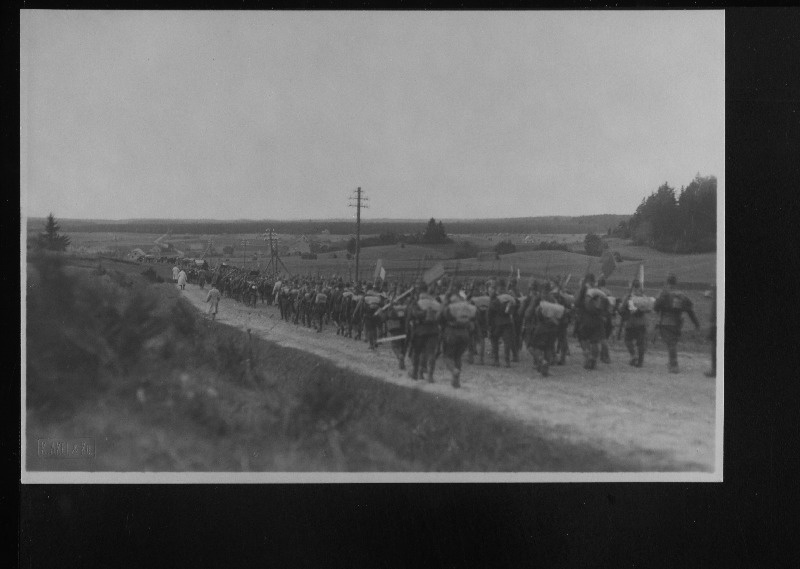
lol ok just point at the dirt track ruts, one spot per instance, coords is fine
(665, 421)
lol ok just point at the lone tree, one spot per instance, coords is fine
(505, 247)
(51, 239)
(593, 244)
(435, 233)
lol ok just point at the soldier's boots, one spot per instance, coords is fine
(402, 363)
(456, 383)
(544, 368)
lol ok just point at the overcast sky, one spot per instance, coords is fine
(283, 114)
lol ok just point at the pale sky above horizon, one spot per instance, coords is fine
(281, 115)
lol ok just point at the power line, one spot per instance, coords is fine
(361, 202)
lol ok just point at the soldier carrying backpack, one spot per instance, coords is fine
(592, 306)
(423, 320)
(671, 304)
(458, 318)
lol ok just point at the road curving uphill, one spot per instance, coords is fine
(636, 416)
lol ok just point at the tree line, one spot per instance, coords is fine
(550, 224)
(685, 222)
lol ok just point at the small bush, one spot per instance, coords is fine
(151, 275)
(465, 250)
(505, 247)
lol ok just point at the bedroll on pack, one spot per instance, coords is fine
(321, 298)
(596, 301)
(641, 303)
(482, 302)
(508, 301)
(594, 292)
(431, 308)
(568, 299)
(551, 310)
(462, 312)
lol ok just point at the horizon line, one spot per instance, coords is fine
(329, 219)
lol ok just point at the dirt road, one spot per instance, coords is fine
(665, 421)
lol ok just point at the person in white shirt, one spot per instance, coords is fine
(213, 298)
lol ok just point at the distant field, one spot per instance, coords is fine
(694, 271)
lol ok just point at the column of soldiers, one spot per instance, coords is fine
(449, 319)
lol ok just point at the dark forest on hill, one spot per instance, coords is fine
(685, 222)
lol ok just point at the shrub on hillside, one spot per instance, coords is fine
(551, 246)
(593, 245)
(505, 247)
(465, 250)
(151, 275)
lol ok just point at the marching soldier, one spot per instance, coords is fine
(633, 310)
(671, 304)
(608, 320)
(320, 306)
(525, 325)
(458, 319)
(592, 306)
(423, 316)
(712, 333)
(516, 316)
(566, 300)
(501, 324)
(542, 320)
(395, 317)
(371, 303)
(481, 330)
(253, 294)
(213, 299)
(354, 317)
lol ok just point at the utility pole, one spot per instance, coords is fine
(274, 256)
(244, 251)
(361, 202)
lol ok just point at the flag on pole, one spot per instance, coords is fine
(383, 274)
(641, 275)
(518, 275)
(378, 269)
